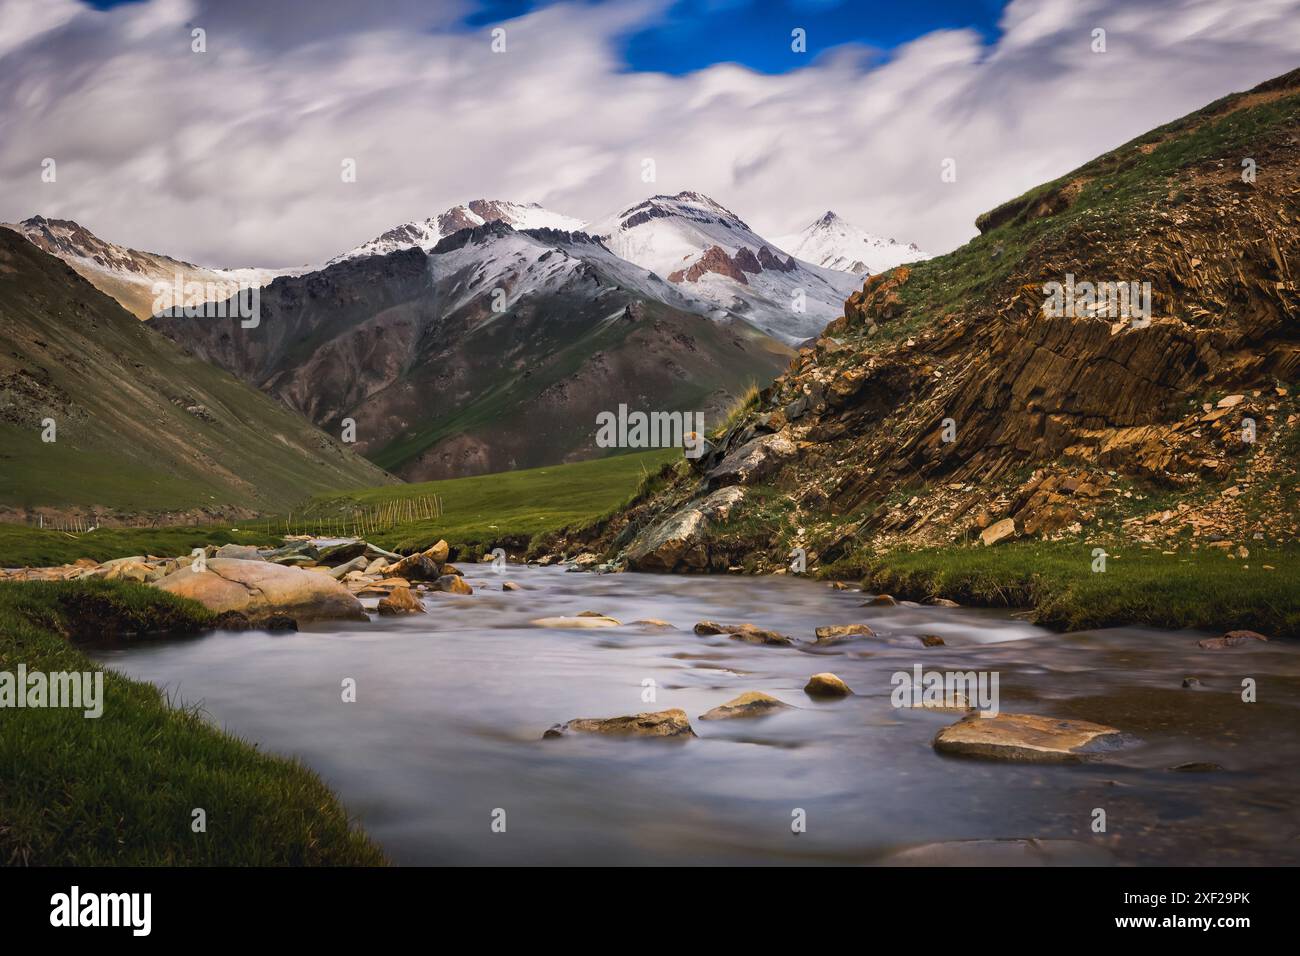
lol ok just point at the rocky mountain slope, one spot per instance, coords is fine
(956, 400)
(495, 350)
(129, 275)
(709, 253)
(832, 243)
(426, 233)
(139, 427)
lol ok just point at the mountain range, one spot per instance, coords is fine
(100, 413)
(494, 350)
(490, 336)
(129, 275)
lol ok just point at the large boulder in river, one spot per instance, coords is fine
(261, 589)
(679, 539)
(663, 723)
(424, 566)
(1025, 737)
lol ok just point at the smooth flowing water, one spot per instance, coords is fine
(446, 730)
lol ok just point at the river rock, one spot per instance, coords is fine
(341, 553)
(880, 600)
(943, 602)
(678, 540)
(1231, 639)
(400, 601)
(574, 622)
(261, 589)
(357, 564)
(931, 640)
(509, 586)
(748, 633)
(424, 566)
(244, 552)
(1024, 737)
(749, 704)
(452, 584)
(826, 685)
(839, 633)
(663, 723)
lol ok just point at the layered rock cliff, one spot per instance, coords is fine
(965, 398)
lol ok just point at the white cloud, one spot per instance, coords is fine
(232, 157)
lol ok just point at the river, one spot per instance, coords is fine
(444, 738)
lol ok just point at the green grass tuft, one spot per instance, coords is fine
(120, 789)
(1189, 589)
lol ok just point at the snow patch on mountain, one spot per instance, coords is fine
(709, 252)
(427, 233)
(833, 243)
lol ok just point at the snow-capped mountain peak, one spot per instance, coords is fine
(426, 233)
(709, 252)
(833, 243)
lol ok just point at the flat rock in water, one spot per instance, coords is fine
(880, 600)
(1024, 737)
(578, 622)
(749, 704)
(1231, 639)
(261, 589)
(663, 723)
(748, 633)
(839, 633)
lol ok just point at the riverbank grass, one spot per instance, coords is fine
(1202, 589)
(123, 788)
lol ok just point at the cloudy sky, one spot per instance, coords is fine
(233, 156)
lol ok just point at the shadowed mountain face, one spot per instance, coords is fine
(496, 350)
(138, 426)
(969, 396)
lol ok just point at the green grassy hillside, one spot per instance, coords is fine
(141, 426)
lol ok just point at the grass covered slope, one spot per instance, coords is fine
(121, 789)
(24, 546)
(508, 507)
(1138, 587)
(141, 426)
